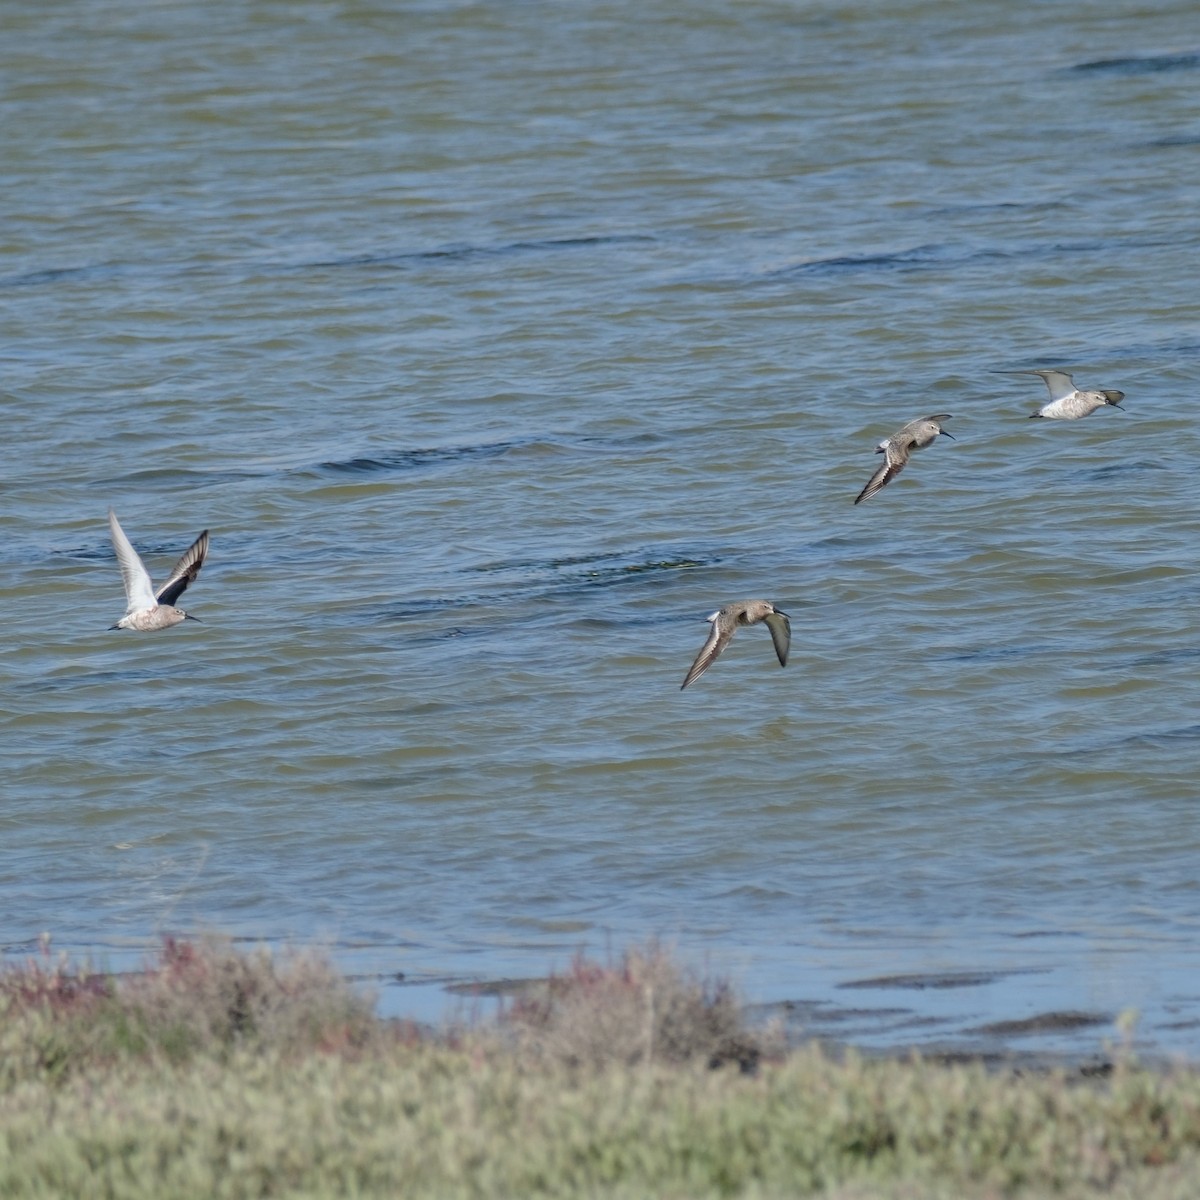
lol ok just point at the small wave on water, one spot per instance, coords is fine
(939, 256)
(412, 460)
(430, 457)
(1177, 140)
(1163, 738)
(1140, 64)
(1161, 658)
(1127, 466)
(588, 567)
(526, 582)
(994, 654)
(107, 271)
(916, 257)
(179, 478)
(65, 275)
(472, 251)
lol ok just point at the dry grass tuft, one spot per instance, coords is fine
(55, 989)
(645, 1008)
(219, 997)
(193, 999)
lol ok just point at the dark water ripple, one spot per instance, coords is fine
(64, 275)
(411, 460)
(1149, 64)
(943, 256)
(468, 252)
(533, 584)
(110, 271)
(421, 458)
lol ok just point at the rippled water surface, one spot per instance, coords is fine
(497, 345)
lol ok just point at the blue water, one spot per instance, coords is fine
(497, 345)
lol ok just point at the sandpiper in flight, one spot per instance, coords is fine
(896, 450)
(726, 619)
(1067, 402)
(146, 608)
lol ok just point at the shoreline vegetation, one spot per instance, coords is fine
(219, 1073)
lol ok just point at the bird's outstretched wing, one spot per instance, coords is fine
(1058, 383)
(718, 639)
(139, 592)
(781, 634)
(184, 572)
(894, 458)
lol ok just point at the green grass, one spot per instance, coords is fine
(216, 1074)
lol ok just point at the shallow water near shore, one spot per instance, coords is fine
(496, 346)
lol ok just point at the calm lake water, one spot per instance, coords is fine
(497, 344)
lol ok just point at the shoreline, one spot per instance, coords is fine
(215, 1071)
(937, 1014)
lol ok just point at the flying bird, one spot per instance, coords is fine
(726, 619)
(916, 435)
(147, 609)
(1067, 402)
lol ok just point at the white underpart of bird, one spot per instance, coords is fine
(1067, 402)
